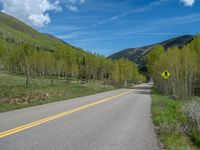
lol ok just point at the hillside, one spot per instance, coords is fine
(138, 54)
(15, 31)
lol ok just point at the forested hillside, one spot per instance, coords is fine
(66, 63)
(138, 55)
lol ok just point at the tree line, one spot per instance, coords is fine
(183, 65)
(66, 63)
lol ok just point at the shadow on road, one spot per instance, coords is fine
(142, 92)
(143, 89)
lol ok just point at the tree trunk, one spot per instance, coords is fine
(27, 79)
(51, 81)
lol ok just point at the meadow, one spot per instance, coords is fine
(14, 93)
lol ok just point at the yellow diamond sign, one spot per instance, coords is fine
(165, 74)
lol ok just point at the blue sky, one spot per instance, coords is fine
(107, 26)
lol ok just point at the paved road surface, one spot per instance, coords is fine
(114, 120)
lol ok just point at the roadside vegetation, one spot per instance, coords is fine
(176, 122)
(31, 76)
(14, 94)
(176, 112)
(183, 65)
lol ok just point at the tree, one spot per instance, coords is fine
(153, 56)
(183, 65)
(66, 62)
(27, 52)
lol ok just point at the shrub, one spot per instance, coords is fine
(192, 110)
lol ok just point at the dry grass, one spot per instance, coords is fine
(14, 94)
(192, 111)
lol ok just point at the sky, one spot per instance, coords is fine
(108, 26)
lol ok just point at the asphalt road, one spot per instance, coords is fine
(114, 120)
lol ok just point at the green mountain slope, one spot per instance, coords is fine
(15, 31)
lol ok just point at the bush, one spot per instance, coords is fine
(192, 111)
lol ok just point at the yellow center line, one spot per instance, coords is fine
(59, 115)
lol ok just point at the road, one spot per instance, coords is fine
(114, 120)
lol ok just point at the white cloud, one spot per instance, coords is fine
(188, 2)
(141, 9)
(73, 4)
(33, 12)
(75, 1)
(72, 1)
(72, 8)
(82, 1)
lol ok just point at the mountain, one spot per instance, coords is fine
(138, 54)
(15, 31)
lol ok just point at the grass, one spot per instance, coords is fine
(172, 124)
(14, 94)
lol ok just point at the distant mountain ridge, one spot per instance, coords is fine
(138, 54)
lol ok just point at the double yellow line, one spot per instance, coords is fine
(41, 121)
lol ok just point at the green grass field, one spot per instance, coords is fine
(14, 94)
(173, 126)
(12, 28)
